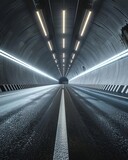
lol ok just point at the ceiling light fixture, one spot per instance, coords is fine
(85, 21)
(73, 56)
(18, 61)
(50, 45)
(63, 42)
(77, 45)
(64, 14)
(54, 57)
(42, 21)
(104, 63)
(63, 60)
(63, 55)
(71, 61)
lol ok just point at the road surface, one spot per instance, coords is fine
(52, 123)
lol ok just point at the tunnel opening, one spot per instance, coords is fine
(63, 80)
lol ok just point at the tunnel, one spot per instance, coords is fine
(64, 80)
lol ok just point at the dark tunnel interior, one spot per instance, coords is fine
(64, 79)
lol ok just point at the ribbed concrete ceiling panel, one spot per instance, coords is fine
(21, 36)
(104, 38)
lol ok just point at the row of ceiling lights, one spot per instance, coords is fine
(45, 32)
(83, 27)
(63, 39)
(81, 34)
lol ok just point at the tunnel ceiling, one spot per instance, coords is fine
(104, 37)
(21, 35)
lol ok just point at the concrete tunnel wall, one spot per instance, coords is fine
(20, 36)
(11, 73)
(115, 73)
(104, 41)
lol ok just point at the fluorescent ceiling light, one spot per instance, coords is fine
(55, 61)
(63, 42)
(73, 56)
(71, 61)
(18, 61)
(63, 55)
(104, 63)
(39, 13)
(63, 60)
(50, 45)
(86, 20)
(54, 57)
(77, 45)
(64, 12)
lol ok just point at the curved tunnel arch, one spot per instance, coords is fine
(86, 119)
(104, 41)
(21, 36)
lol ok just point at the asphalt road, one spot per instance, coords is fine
(97, 125)
(28, 121)
(49, 123)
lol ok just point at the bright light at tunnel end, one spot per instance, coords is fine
(104, 63)
(18, 61)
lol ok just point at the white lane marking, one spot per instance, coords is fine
(61, 142)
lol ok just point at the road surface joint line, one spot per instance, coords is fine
(61, 142)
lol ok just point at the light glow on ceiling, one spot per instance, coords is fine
(104, 63)
(86, 22)
(38, 13)
(18, 61)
